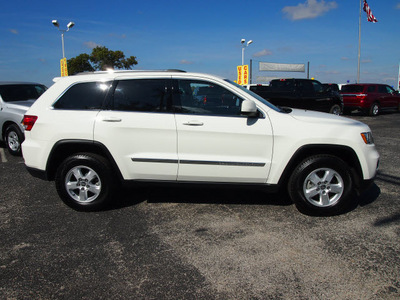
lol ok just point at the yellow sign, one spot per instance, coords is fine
(63, 66)
(243, 74)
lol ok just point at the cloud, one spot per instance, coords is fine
(186, 62)
(398, 6)
(264, 52)
(91, 45)
(309, 10)
(14, 31)
(366, 61)
(344, 58)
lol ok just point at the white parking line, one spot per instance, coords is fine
(3, 155)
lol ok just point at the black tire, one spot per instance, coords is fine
(374, 110)
(90, 182)
(14, 138)
(321, 185)
(335, 109)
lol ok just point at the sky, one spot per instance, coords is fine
(205, 36)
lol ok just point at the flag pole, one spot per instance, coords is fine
(398, 80)
(359, 45)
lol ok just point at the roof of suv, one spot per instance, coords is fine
(17, 83)
(129, 71)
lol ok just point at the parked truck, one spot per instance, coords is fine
(302, 93)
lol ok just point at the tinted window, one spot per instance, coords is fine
(259, 88)
(385, 89)
(149, 95)
(318, 88)
(281, 85)
(352, 88)
(306, 88)
(371, 88)
(205, 98)
(88, 95)
(21, 92)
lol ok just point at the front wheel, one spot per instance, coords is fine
(14, 138)
(321, 185)
(84, 181)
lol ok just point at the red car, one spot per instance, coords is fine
(370, 98)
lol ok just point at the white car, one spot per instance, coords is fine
(91, 132)
(15, 99)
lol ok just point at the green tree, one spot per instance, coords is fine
(79, 64)
(100, 59)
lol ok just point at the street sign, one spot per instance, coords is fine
(243, 74)
(63, 66)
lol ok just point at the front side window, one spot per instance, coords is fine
(83, 96)
(146, 95)
(388, 89)
(306, 88)
(318, 88)
(205, 98)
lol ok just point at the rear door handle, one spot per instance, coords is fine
(111, 119)
(193, 123)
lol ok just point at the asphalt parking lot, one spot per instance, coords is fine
(171, 243)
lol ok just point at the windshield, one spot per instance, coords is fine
(259, 98)
(21, 92)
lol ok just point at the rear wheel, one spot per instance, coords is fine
(321, 185)
(374, 110)
(335, 109)
(14, 138)
(85, 182)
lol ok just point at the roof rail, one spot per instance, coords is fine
(129, 71)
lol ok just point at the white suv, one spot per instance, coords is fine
(90, 132)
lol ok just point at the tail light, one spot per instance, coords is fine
(28, 122)
(361, 97)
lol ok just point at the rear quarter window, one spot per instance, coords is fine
(352, 88)
(82, 96)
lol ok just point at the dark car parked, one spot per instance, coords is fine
(304, 94)
(370, 98)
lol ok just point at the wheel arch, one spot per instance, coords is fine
(345, 153)
(6, 124)
(65, 148)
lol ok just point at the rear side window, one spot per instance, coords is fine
(21, 92)
(259, 88)
(146, 95)
(371, 89)
(82, 96)
(281, 85)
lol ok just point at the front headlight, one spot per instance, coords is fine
(367, 137)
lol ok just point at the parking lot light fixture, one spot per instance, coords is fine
(244, 45)
(69, 26)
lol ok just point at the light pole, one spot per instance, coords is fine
(69, 26)
(244, 45)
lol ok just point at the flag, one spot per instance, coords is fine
(370, 16)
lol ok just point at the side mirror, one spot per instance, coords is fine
(249, 108)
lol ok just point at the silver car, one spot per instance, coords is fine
(15, 99)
